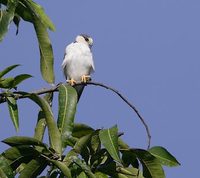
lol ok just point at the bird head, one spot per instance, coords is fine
(85, 39)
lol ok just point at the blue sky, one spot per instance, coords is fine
(148, 50)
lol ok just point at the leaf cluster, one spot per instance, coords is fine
(91, 153)
(32, 12)
(73, 149)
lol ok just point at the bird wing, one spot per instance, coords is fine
(66, 59)
(92, 66)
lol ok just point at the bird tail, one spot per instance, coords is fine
(79, 90)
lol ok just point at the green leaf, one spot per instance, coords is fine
(80, 130)
(82, 175)
(151, 165)
(2, 174)
(18, 140)
(40, 127)
(128, 158)
(99, 158)
(164, 156)
(19, 78)
(34, 13)
(5, 168)
(64, 169)
(120, 176)
(41, 121)
(38, 11)
(13, 110)
(122, 144)
(16, 152)
(129, 172)
(100, 175)
(16, 21)
(81, 143)
(68, 158)
(6, 17)
(8, 69)
(54, 134)
(34, 168)
(7, 83)
(84, 167)
(95, 143)
(109, 167)
(24, 12)
(20, 154)
(67, 109)
(46, 51)
(109, 139)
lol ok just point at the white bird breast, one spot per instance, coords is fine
(78, 61)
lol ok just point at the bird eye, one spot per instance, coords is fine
(86, 39)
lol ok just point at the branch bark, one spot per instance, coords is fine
(17, 95)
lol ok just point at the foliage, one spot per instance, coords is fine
(33, 13)
(90, 153)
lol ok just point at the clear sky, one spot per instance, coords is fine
(148, 50)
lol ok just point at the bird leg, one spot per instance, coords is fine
(85, 78)
(71, 81)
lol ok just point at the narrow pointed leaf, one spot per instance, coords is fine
(46, 51)
(80, 130)
(38, 11)
(5, 168)
(95, 143)
(128, 158)
(130, 172)
(13, 110)
(81, 143)
(16, 20)
(6, 17)
(34, 168)
(24, 12)
(19, 155)
(164, 156)
(109, 168)
(100, 175)
(67, 109)
(122, 144)
(84, 167)
(40, 127)
(8, 69)
(19, 78)
(16, 152)
(62, 166)
(82, 175)
(3, 175)
(109, 139)
(18, 140)
(151, 165)
(68, 158)
(7, 83)
(54, 134)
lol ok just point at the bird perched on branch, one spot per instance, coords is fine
(78, 62)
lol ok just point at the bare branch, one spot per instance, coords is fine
(129, 104)
(17, 95)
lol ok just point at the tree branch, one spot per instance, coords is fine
(129, 104)
(17, 95)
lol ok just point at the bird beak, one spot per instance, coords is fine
(90, 42)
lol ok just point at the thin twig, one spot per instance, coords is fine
(128, 103)
(17, 95)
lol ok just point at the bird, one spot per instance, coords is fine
(78, 62)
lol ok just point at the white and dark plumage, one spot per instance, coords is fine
(78, 62)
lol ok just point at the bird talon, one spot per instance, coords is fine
(72, 82)
(85, 78)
